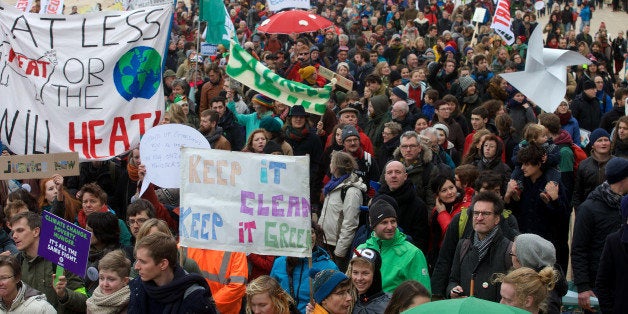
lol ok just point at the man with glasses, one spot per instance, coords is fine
(417, 159)
(482, 254)
(137, 213)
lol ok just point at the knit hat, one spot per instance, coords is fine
(465, 82)
(588, 84)
(349, 130)
(624, 219)
(381, 208)
(297, 111)
(270, 124)
(314, 48)
(263, 100)
(325, 281)
(169, 73)
(307, 72)
(466, 50)
(393, 76)
(535, 252)
(450, 48)
(616, 170)
(400, 91)
(440, 126)
(342, 64)
(596, 134)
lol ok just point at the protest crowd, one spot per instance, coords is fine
(431, 177)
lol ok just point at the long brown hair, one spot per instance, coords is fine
(71, 205)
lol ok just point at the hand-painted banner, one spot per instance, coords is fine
(245, 202)
(88, 83)
(276, 5)
(247, 70)
(501, 21)
(51, 7)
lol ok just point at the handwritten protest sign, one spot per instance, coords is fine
(87, 83)
(64, 243)
(276, 5)
(245, 202)
(329, 74)
(38, 166)
(478, 15)
(160, 151)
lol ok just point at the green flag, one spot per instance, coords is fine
(247, 70)
(219, 26)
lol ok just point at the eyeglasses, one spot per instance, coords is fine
(352, 140)
(303, 54)
(138, 221)
(512, 254)
(412, 146)
(342, 292)
(483, 214)
(3, 279)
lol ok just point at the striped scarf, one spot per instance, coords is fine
(483, 245)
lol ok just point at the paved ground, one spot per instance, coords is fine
(615, 21)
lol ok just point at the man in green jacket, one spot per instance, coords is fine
(401, 260)
(68, 295)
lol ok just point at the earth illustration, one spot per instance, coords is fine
(138, 73)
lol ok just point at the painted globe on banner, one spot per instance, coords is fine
(137, 74)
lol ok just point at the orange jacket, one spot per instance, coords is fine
(226, 273)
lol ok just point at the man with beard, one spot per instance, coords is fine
(212, 88)
(233, 132)
(211, 131)
(411, 211)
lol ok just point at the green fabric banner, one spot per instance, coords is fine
(245, 69)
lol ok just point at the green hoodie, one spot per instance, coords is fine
(401, 261)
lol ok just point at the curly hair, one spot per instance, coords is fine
(527, 282)
(280, 299)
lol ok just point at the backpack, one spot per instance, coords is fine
(578, 154)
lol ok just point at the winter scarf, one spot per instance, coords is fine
(611, 198)
(333, 183)
(483, 245)
(564, 117)
(296, 134)
(99, 303)
(470, 99)
(132, 171)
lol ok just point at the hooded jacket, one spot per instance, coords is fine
(28, 300)
(339, 219)
(596, 218)
(374, 300)
(381, 115)
(297, 283)
(590, 174)
(217, 140)
(186, 293)
(401, 261)
(416, 175)
(495, 164)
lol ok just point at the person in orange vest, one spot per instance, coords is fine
(226, 273)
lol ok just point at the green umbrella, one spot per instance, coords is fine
(469, 305)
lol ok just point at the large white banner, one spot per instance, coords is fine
(276, 5)
(245, 202)
(501, 21)
(86, 83)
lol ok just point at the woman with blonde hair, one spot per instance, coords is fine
(265, 295)
(112, 294)
(527, 289)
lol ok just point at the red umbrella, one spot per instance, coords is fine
(294, 21)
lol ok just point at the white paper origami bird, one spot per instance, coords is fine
(544, 80)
